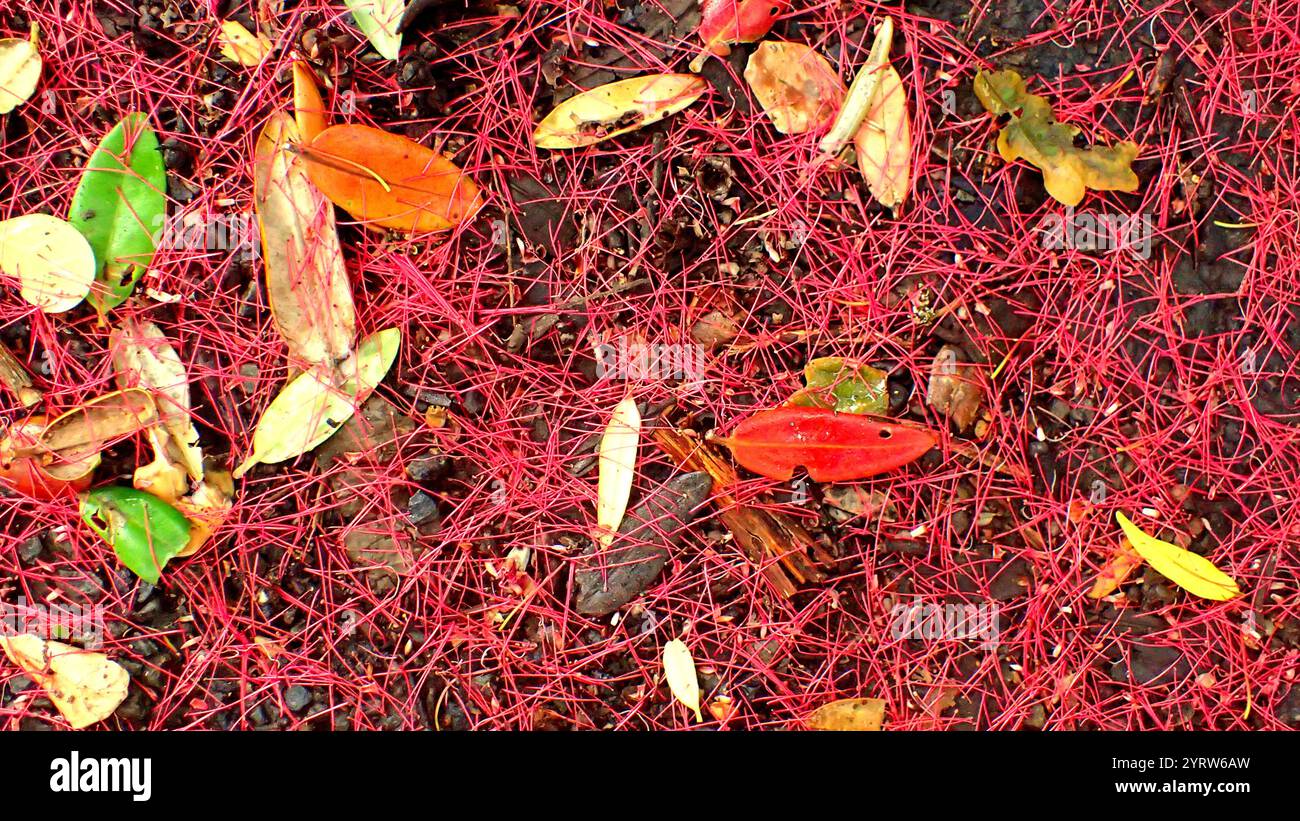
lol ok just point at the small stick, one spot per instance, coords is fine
(16, 378)
(861, 93)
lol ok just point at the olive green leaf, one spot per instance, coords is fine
(144, 531)
(119, 204)
(1032, 133)
(844, 385)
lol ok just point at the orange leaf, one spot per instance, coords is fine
(795, 85)
(388, 180)
(1121, 565)
(308, 107)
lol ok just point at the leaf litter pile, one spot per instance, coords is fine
(387, 364)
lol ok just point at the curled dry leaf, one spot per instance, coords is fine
(317, 402)
(379, 21)
(726, 22)
(25, 474)
(679, 670)
(68, 448)
(388, 180)
(308, 107)
(1193, 573)
(795, 85)
(616, 108)
(52, 261)
(852, 714)
(143, 358)
(241, 45)
(306, 279)
(618, 450)
(954, 389)
(206, 509)
(20, 70)
(862, 92)
(884, 142)
(1117, 570)
(86, 687)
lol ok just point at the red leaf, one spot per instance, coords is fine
(833, 447)
(724, 22)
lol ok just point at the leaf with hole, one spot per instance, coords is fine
(390, 181)
(832, 447)
(144, 531)
(616, 108)
(119, 205)
(1193, 573)
(798, 90)
(84, 686)
(51, 260)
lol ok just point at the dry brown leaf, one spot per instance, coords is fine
(954, 388)
(884, 142)
(856, 714)
(797, 88)
(75, 438)
(85, 686)
(143, 358)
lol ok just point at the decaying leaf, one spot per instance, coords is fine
(306, 280)
(21, 469)
(379, 21)
(843, 385)
(308, 107)
(679, 670)
(206, 509)
(69, 446)
(618, 447)
(85, 686)
(241, 45)
(20, 70)
(726, 22)
(1121, 565)
(388, 180)
(16, 378)
(954, 389)
(884, 142)
(852, 714)
(616, 108)
(862, 92)
(1193, 573)
(143, 358)
(1032, 133)
(317, 402)
(795, 85)
(52, 261)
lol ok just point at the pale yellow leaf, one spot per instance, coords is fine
(317, 402)
(143, 358)
(85, 686)
(849, 714)
(798, 90)
(241, 45)
(20, 71)
(862, 92)
(884, 142)
(617, 108)
(377, 20)
(617, 461)
(1195, 574)
(306, 280)
(52, 261)
(679, 670)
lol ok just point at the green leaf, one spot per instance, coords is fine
(144, 531)
(119, 204)
(378, 20)
(844, 385)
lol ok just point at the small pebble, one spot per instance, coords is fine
(297, 697)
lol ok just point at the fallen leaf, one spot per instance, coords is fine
(1121, 565)
(798, 90)
(143, 358)
(317, 402)
(379, 21)
(118, 206)
(86, 687)
(617, 460)
(833, 447)
(1195, 574)
(616, 108)
(954, 389)
(51, 260)
(206, 509)
(20, 70)
(849, 714)
(843, 385)
(388, 180)
(862, 92)
(308, 108)
(1032, 133)
(241, 45)
(679, 670)
(307, 282)
(884, 142)
(724, 23)
(144, 531)
(25, 474)
(69, 446)
(16, 378)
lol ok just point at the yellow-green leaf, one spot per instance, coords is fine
(617, 461)
(1195, 574)
(20, 71)
(679, 670)
(617, 108)
(1032, 133)
(241, 45)
(378, 19)
(853, 714)
(52, 261)
(844, 385)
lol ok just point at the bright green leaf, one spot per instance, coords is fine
(144, 531)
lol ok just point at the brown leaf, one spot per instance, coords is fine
(86, 687)
(954, 388)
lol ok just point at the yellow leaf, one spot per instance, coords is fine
(1193, 573)
(241, 45)
(617, 108)
(1034, 134)
(308, 107)
(884, 142)
(679, 670)
(617, 461)
(317, 402)
(86, 687)
(52, 261)
(306, 281)
(797, 88)
(143, 358)
(849, 714)
(1124, 561)
(20, 71)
